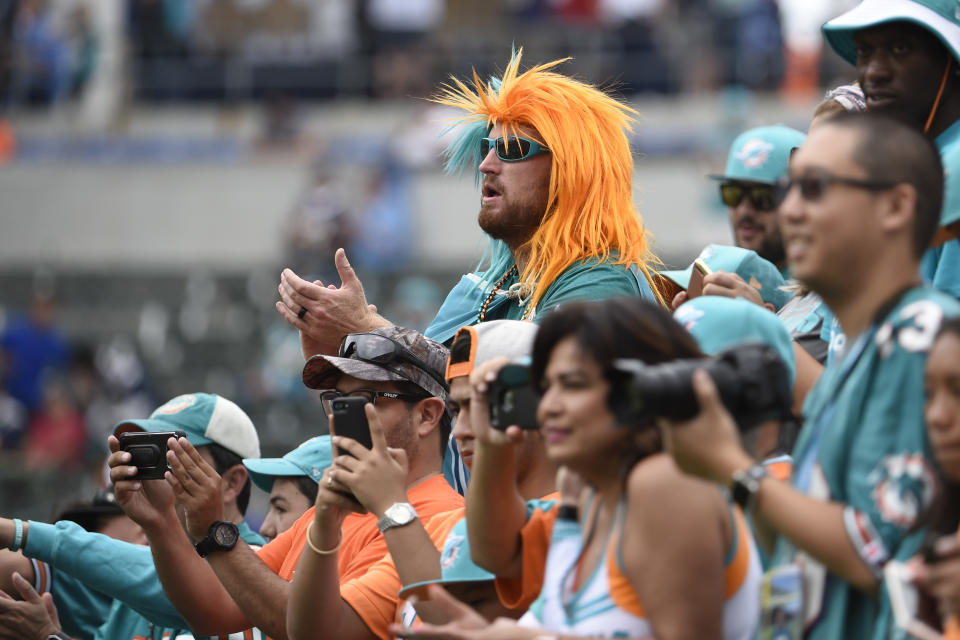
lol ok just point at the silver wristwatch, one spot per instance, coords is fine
(744, 486)
(397, 515)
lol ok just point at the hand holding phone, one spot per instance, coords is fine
(699, 271)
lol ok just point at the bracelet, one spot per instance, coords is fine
(317, 549)
(17, 534)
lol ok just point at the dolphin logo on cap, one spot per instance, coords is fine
(754, 153)
(176, 405)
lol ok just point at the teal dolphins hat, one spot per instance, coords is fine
(761, 154)
(718, 323)
(206, 418)
(760, 274)
(310, 459)
(940, 17)
(455, 562)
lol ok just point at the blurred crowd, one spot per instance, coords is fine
(280, 50)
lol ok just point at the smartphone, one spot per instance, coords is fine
(148, 451)
(350, 421)
(695, 287)
(512, 399)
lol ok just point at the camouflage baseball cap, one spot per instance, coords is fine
(412, 357)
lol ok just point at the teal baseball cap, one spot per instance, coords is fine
(455, 562)
(940, 17)
(760, 274)
(206, 418)
(718, 323)
(762, 154)
(310, 459)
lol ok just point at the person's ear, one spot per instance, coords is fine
(232, 482)
(900, 209)
(429, 413)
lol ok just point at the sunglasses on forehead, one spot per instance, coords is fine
(512, 148)
(762, 197)
(382, 350)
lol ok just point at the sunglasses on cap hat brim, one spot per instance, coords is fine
(381, 350)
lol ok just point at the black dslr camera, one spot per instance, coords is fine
(752, 381)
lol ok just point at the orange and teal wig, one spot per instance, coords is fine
(590, 211)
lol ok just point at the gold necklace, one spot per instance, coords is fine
(496, 287)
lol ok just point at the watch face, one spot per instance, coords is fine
(401, 513)
(225, 535)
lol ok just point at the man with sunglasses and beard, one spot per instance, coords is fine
(400, 373)
(748, 188)
(553, 162)
(862, 204)
(907, 56)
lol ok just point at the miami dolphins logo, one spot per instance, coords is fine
(176, 405)
(688, 316)
(904, 485)
(754, 153)
(451, 551)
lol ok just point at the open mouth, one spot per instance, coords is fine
(490, 191)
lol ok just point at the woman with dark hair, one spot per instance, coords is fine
(941, 578)
(652, 552)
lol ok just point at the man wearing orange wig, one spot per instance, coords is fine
(552, 158)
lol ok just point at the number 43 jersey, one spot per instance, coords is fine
(866, 443)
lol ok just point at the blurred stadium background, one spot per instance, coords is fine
(163, 160)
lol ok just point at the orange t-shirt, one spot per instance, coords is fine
(362, 543)
(519, 593)
(374, 595)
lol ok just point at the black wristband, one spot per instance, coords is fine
(568, 512)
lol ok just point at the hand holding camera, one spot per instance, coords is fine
(492, 402)
(147, 503)
(708, 446)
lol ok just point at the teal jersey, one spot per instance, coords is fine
(809, 322)
(102, 566)
(941, 266)
(82, 609)
(864, 444)
(588, 279)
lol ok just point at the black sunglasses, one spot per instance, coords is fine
(381, 350)
(327, 397)
(762, 197)
(814, 185)
(512, 148)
